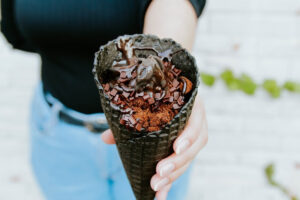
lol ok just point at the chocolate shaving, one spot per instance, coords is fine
(176, 106)
(132, 120)
(127, 110)
(180, 100)
(127, 89)
(176, 95)
(116, 98)
(175, 83)
(138, 127)
(146, 96)
(173, 89)
(118, 88)
(126, 94)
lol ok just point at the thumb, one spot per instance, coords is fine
(108, 137)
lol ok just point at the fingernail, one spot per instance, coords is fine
(166, 169)
(182, 146)
(160, 184)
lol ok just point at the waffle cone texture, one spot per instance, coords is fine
(141, 151)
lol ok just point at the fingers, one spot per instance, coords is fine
(108, 137)
(157, 182)
(176, 174)
(163, 193)
(163, 184)
(175, 161)
(192, 129)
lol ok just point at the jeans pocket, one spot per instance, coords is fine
(42, 117)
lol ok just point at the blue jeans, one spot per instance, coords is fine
(70, 162)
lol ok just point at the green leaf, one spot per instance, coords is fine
(247, 84)
(227, 75)
(272, 88)
(294, 198)
(292, 86)
(269, 171)
(229, 79)
(208, 79)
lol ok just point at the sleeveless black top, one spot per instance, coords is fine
(66, 34)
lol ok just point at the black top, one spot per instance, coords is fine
(66, 34)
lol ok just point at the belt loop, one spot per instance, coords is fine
(55, 111)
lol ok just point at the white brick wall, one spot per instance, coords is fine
(260, 37)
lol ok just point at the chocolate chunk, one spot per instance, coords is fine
(113, 92)
(176, 71)
(170, 75)
(146, 96)
(175, 83)
(151, 100)
(126, 117)
(132, 93)
(123, 74)
(122, 121)
(180, 100)
(127, 110)
(138, 127)
(126, 94)
(140, 94)
(126, 88)
(132, 120)
(176, 95)
(118, 88)
(118, 102)
(172, 89)
(106, 87)
(167, 95)
(176, 106)
(116, 98)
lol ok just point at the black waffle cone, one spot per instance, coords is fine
(140, 152)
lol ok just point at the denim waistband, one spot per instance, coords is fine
(58, 107)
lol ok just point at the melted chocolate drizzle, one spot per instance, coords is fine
(150, 70)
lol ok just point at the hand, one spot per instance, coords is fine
(192, 139)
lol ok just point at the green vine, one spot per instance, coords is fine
(246, 84)
(269, 171)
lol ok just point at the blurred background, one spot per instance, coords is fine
(246, 133)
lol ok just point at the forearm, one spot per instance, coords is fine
(174, 19)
